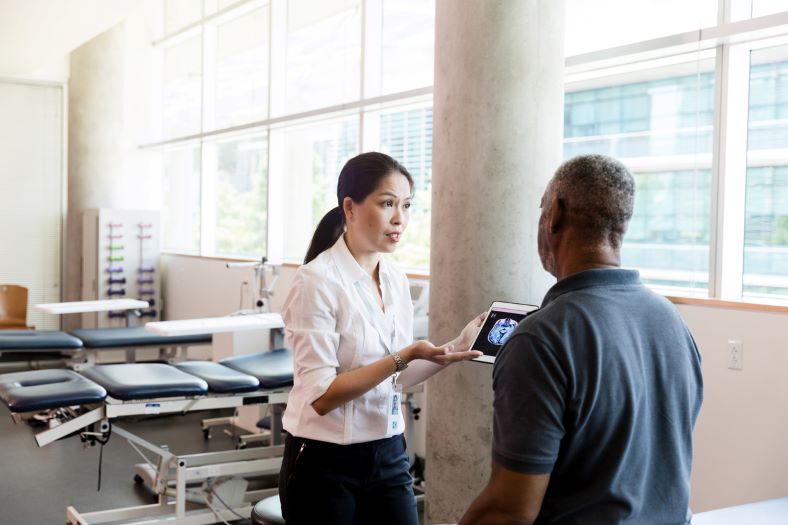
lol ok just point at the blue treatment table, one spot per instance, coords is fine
(30, 349)
(84, 403)
(136, 337)
(37, 340)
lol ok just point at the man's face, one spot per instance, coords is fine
(545, 252)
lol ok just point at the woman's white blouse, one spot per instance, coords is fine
(333, 324)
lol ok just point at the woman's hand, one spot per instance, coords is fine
(441, 355)
(464, 341)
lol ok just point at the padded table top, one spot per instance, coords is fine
(769, 512)
(21, 340)
(133, 336)
(273, 369)
(43, 389)
(130, 381)
(220, 379)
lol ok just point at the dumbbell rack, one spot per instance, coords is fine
(120, 259)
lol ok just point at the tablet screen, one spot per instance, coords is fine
(498, 327)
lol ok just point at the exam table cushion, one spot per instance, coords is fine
(21, 340)
(43, 389)
(220, 379)
(133, 336)
(769, 512)
(273, 369)
(145, 381)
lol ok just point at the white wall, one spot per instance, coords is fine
(109, 117)
(204, 287)
(741, 439)
(34, 34)
(194, 287)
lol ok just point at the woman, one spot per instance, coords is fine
(349, 322)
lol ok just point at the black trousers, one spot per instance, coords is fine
(359, 484)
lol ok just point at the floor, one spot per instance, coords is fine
(37, 484)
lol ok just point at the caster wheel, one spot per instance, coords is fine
(206, 433)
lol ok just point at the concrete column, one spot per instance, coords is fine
(109, 117)
(498, 116)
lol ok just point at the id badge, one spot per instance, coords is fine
(392, 411)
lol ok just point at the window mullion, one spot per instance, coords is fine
(277, 79)
(729, 172)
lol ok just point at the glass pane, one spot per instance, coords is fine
(212, 6)
(241, 94)
(314, 156)
(766, 204)
(668, 236)
(591, 26)
(768, 7)
(182, 90)
(667, 116)
(180, 213)
(323, 53)
(407, 136)
(180, 13)
(408, 38)
(241, 196)
(659, 122)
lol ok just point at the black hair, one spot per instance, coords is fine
(359, 177)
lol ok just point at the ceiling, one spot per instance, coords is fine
(36, 33)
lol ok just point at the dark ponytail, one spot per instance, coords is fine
(359, 177)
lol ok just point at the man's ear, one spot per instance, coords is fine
(557, 216)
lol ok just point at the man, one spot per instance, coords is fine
(597, 393)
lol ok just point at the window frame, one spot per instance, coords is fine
(731, 39)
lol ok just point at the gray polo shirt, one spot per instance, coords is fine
(601, 388)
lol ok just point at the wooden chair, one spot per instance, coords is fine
(13, 307)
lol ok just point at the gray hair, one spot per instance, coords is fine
(599, 194)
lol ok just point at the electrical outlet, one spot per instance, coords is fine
(735, 355)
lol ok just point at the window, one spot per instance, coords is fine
(659, 122)
(249, 117)
(181, 13)
(239, 91)
(765, 268)
(182, 90)
(406, 135)
(603, 24)
(765, 7)
(262, 101)
(181, 211)
(313, 156)
(323, 53)
(237, 170)
(708, 150)
(408, 32)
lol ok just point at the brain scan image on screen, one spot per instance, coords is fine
(501, 331)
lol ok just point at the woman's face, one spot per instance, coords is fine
(376, 224)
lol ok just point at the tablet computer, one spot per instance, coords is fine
(502, 319)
